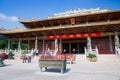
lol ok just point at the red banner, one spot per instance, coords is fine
(73, 36)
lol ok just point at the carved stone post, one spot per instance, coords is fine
(56, 44)
(89, 45)
(8, 44)
(111, 48)
(19, 46)
(43, 47)
(36, 43)
(56, 47)
(116, 42)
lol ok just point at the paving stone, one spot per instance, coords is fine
(107, 68)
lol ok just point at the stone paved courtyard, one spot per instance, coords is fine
(106, 68)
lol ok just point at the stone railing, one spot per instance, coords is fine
(17, 52)
(117, 51)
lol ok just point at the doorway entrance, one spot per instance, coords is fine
(75, 48)
(65, 48)
(82, 45)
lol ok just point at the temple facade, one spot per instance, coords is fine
(74, 30)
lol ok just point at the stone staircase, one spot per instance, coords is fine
(109, 58)
(102, 58)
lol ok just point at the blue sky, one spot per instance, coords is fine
(40, 9)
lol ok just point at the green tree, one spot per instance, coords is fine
(24, 46)
(14, 45)
(3, 44)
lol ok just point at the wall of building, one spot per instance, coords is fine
(103, 45)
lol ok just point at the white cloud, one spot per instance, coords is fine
(13, 18)
(2, 16)
(10, 18)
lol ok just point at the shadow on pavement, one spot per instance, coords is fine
(56, 70)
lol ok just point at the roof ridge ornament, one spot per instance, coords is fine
(33, 19)
(78, 12)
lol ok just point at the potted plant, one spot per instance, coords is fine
(92, 57)
(3, 56)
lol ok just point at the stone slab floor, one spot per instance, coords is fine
(106, 68)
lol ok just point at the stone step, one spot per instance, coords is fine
(101, 58)
(109, 58)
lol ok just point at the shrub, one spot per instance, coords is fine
(91, 55)
(3, 55)
(24, 52)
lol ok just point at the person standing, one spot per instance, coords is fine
(74, 51)
(29, 58)
(24, 58)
